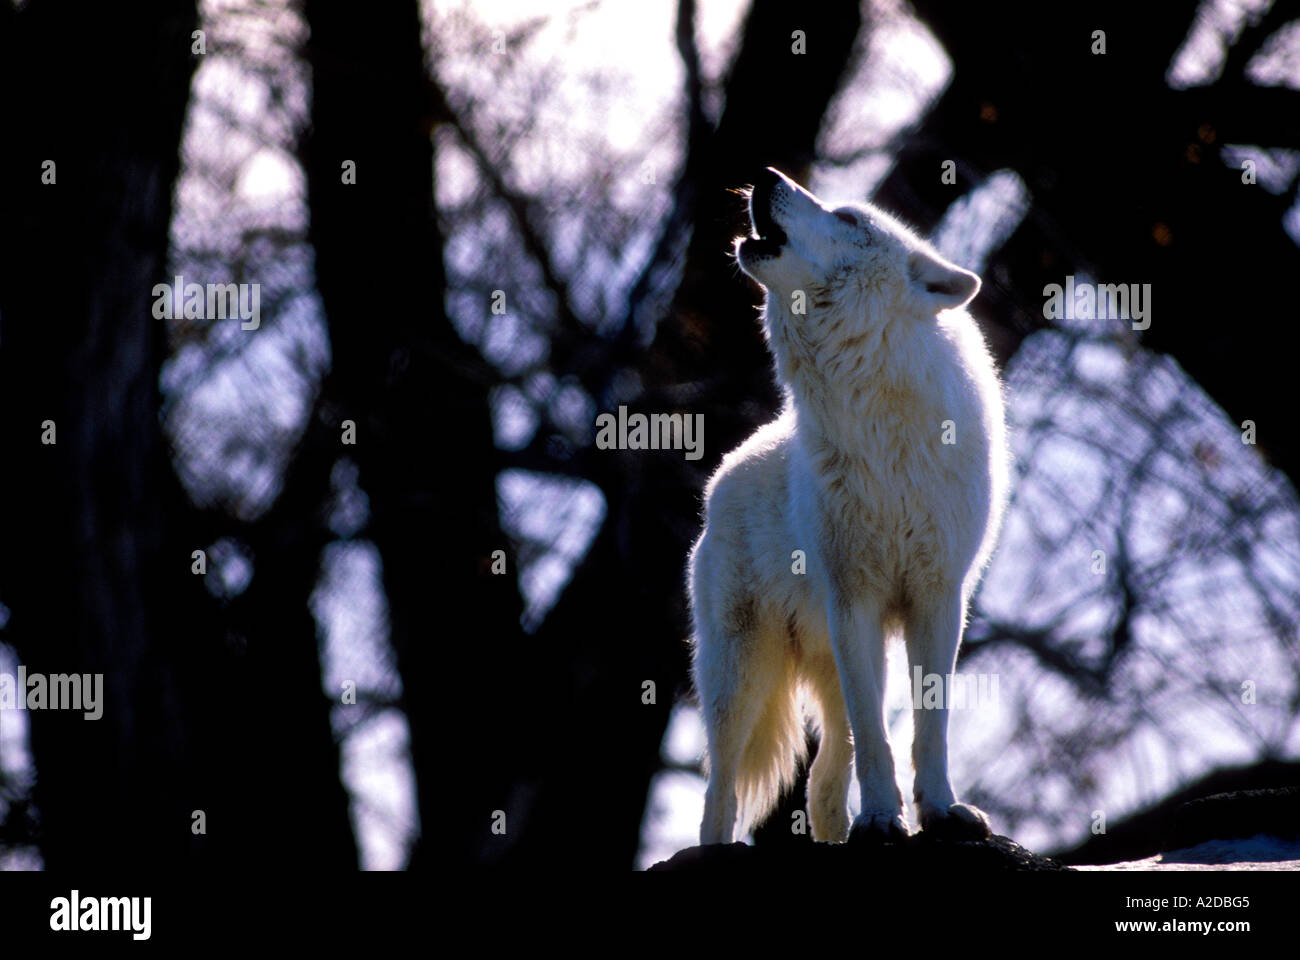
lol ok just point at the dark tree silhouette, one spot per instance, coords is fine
(204, 709)
(93, 570)
(419, 397)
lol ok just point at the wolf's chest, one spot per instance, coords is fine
(889, 489)
(901, 492)
(903, 447)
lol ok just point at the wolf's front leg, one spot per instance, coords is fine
(933, 632)
(858, 644)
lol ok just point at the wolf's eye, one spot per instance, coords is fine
(847, 217)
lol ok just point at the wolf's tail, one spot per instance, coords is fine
(771, 758)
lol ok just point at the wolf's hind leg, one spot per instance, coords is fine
(720, 796)
(749, 697)
(828, 780)
(730, 702)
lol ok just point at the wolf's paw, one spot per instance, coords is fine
(958, 821)
(830, 828)
(878, 828)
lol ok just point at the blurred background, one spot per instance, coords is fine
(474, 228)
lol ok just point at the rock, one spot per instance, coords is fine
(916, 855)
(1236, 815)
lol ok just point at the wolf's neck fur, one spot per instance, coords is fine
(847, 385)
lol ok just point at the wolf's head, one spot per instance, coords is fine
(854, 261)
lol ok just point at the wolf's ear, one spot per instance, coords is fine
(947, 284)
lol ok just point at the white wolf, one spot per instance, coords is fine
(888, 468)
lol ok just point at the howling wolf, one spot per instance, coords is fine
(867, 509)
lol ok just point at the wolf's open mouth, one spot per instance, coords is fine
(768, 234)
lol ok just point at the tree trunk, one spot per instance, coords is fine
(424, 433)
(92, 569)
(97, 565)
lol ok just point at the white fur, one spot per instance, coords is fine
(896, 525)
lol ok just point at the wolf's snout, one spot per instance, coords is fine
(760, 209)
